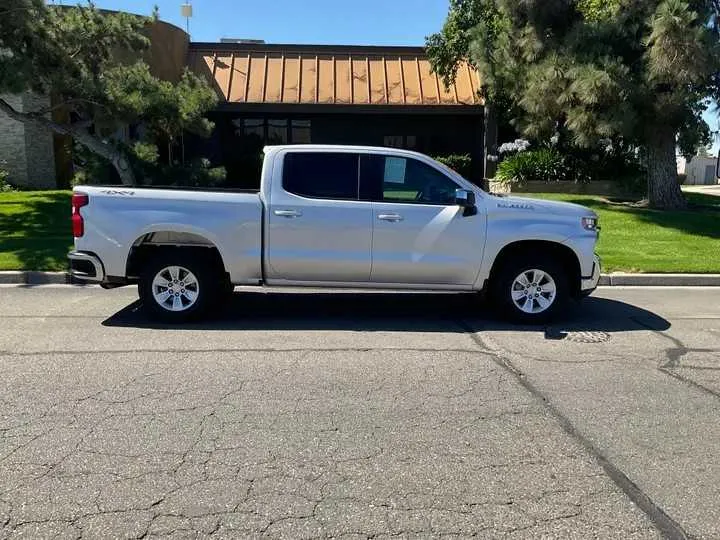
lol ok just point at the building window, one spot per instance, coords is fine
(300, 132)
(393, 141)
(274, 131)
(277, 132)
(252, 127)
(400, 141)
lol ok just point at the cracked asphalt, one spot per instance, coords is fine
(310, 414)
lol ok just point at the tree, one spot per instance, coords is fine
(90, 63)
(636, 70)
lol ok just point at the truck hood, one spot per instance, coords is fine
(540, 205)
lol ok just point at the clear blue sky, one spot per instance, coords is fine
(338, 22)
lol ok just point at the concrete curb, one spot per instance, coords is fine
(607, 280)
(661, 280)
(34, 278)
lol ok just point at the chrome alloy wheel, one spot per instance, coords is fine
(533, 291)
(175, 288)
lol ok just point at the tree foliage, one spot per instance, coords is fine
(452, 44)
(90, 63)
(630, 70)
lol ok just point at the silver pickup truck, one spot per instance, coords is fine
(336, 216)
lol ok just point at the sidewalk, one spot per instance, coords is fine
(705, 190)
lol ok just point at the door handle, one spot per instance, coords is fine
(390, 217)
(288, 213)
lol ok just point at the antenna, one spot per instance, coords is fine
(187, 12)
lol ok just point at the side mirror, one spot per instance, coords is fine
(465, 198)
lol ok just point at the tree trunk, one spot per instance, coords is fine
(114, 155)
(663, 187)
(490, 156)
(122, 167)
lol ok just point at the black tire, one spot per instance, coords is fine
(225, 294)
(501, 288)
(208, 291)
(226, 289)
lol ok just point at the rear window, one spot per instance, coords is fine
(321, 175)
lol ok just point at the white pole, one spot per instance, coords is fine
(187, 12)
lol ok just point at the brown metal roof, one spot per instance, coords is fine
(340, 75)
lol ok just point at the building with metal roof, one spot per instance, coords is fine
(334, 94)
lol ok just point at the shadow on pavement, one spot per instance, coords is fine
(409, 312)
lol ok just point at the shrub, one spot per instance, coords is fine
(144, 160)
(461, 163)
(91, 169)
(197, 173)
(614, 161)
(635, 185)
(5, 185)
(542, 165)
(146, 152)
(518, 145)
(79, 178)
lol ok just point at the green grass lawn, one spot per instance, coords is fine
(642, 240)
(35, 231)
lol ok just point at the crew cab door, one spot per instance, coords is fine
(317, 228)
(420, 234)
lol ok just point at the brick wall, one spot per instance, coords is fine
(27, 151)
(39, 147)
(12, 144)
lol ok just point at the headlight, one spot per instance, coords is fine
(590, 223)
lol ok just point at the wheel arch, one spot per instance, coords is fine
(150, 243)
(561, 252)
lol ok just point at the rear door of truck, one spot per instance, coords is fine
(317, 228)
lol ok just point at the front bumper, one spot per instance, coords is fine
(86, 266)
(589, 284)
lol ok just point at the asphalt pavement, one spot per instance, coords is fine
(310, 414)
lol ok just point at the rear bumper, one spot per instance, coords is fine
(589, 284)
(86, 266)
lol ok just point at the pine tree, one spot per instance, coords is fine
(90, 63)
(640, 70)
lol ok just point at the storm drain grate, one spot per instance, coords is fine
(577, 336)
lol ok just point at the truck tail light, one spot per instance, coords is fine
(78, 225)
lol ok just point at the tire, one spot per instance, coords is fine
(225, 294)
(226, 289)
(191, 287)
(530, 289)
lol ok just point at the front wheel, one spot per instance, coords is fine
(177, 287)
(531, 290)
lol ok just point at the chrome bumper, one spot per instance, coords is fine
(86, 266)
(588, 285)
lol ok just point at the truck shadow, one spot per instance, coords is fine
(393, 312)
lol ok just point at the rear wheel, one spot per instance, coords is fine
(177, 287)
(225, 293)
(530, 290)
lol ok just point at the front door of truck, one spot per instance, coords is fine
(420, 234)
